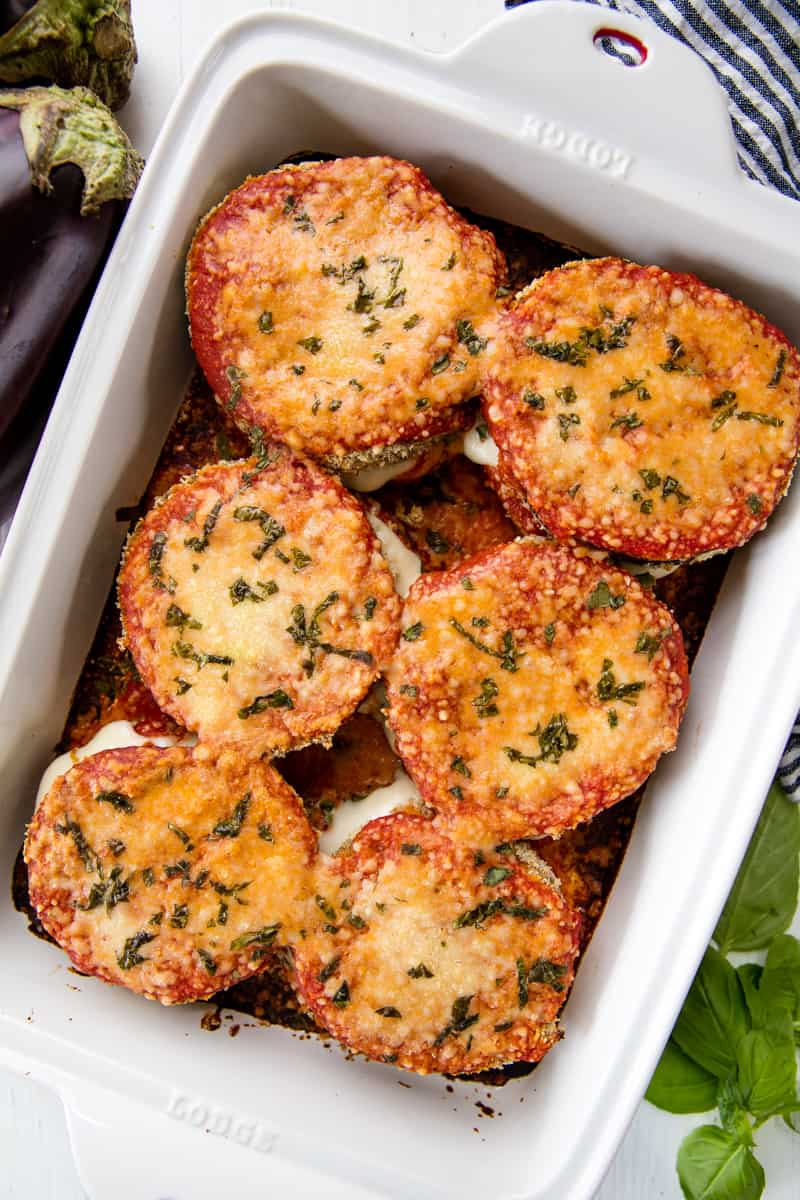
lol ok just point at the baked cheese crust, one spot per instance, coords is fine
(642, 411)
(257, 605)
(532, 688)
(173, 872)
(336, 306)
(435, 957)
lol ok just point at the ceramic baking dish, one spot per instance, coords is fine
(529, 121)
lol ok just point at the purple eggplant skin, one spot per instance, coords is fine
(67, 171)
(50, 254)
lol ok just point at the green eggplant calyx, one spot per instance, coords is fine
(89, 43)
(60, 125)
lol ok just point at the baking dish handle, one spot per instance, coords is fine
(132, 1152)
(667, 112)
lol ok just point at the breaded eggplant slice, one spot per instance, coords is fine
(642, 411)
(358, 761)
(172, 872)
(533, 688)
(336, 305)
(448, 515)
(512, 498)
(256, 604)
(435, 957)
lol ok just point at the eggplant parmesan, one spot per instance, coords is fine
(257, 605)
(344, 309)
(171, 871)
(642, 411)
(435, 956)
(533, 688)
(337, 306)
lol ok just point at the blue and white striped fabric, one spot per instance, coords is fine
(753, 48)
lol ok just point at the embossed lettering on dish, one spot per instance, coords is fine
(224, 1122)
(572, 143)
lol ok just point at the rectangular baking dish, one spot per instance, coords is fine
(531, 122)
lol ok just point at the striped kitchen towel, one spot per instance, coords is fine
(753, 48)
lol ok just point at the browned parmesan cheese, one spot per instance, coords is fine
(172, 871)
(337, 306)
(642, 411)
(257, 605)
(533, 688)
(436, 957)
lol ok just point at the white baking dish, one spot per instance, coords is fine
(531, 122)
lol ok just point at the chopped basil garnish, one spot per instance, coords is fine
(603, 597)
(533, 399)
(276, 699)
(155, 565)
(241, 590)
(508, 657)
(484, 703)
(777, 374)
(565, 423)
(630, 385)
(258, 941)
(609, 689)
(271, 528)
(176, 618)
(649, 644)
(231, 826)
(468, 337)
(460, 1019)
(129, 955)
(117, 800)
(555, 740)
(341, 998)
(496, 875)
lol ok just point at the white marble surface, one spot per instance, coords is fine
(35, 1158)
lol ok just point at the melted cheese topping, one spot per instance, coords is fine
(481, 449)
(543, 692)
(354, 815)
(168, 870)
(369, 479)
(429, 967)
(341, 299)
(258, 606)
(109, 737)
(404, 564)
(642, 411)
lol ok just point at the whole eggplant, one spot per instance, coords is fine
(70, 42)
(66, 172)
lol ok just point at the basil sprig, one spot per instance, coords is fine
(733, 1047)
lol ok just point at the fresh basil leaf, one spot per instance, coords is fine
(768, 1066)
(763, 898)
(714, 1016)
(780, 982)
(732, 1112)
(713, 1165)
(750, 978)
(680, 1085)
